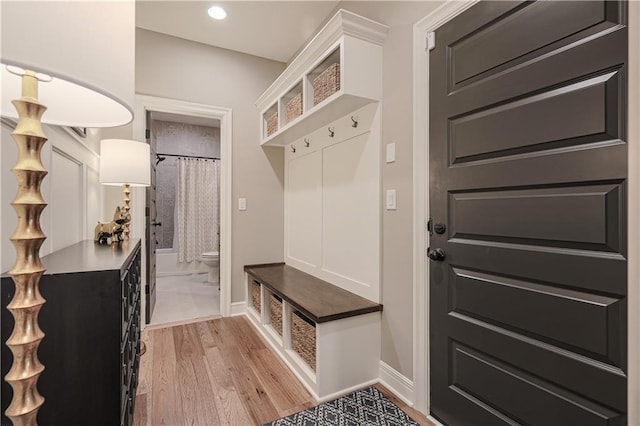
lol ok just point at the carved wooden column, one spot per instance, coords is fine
(127, 207)
(27, 271)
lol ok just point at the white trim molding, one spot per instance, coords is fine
(431, 22)
(146, 103)
(400, 385)
(443, 14)
(239, 308)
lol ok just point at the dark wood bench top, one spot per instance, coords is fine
(319, 300)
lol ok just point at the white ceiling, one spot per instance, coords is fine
(270, 29)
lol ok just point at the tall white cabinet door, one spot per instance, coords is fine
(304, 209)
(350, 241)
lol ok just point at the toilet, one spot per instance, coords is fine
(212, 260)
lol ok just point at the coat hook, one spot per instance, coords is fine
(331, 132)
(306, 142)
(293, 149)
(355, 122)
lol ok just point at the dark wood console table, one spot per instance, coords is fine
(91, 348)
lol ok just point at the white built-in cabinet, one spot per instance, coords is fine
(332, 156)
(348, 39)
(332, 203)
(332, 189)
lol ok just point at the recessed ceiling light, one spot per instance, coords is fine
(216, 12)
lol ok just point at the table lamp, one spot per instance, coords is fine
(76, 61)
(125, 162)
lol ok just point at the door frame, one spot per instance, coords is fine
(144, 103)
(421, 378)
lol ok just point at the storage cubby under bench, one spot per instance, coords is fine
(328, 336)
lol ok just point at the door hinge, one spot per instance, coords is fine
(431, 40)
(430, 226)
(146, 211)
(147, 133)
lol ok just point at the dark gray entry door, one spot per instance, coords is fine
(151, 223)
(528, 168)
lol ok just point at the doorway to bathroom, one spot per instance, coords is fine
(186, 223)
(187, 244)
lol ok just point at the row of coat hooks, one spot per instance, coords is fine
(332, 133)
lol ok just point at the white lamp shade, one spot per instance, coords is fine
(87, 47)
(124, 161)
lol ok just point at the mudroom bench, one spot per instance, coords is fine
(328, 336)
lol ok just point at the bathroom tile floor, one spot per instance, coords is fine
(184, 297)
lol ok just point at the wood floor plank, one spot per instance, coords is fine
(197, 400)
(414, 414)
(205, 334)
(248, 339)
(219, 372)
(240, 339)
(205, 394)
(231, 410)
(166, 404)
(146, 362)
(251, 391)
(187, 342)
(273, 375)
(221, 333)
(141, 414)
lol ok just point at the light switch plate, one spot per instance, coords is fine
(391, 199)
(242, 204)
(391, 152)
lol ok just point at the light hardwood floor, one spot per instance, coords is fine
(218, 372)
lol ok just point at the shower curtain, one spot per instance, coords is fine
(197, 208)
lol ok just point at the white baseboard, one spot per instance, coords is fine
(401, 386)
(238, 308)
(346, 391)
(179, 273)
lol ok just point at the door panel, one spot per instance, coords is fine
(562, 317)
(528, 167)
(521, 396)
(514, 128)
(492, 45)
(151, 238)
(546, 216)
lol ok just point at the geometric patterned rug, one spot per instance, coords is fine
(366, 407)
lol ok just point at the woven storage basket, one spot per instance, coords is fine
(303, 339)
(272, 124)
(276, 313)
(255, 296)
(294, 107)
(326, 84)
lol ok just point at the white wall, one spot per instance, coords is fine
(71, 190)
(397, 127)
(174, 68)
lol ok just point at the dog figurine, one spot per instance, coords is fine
(111, 232)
